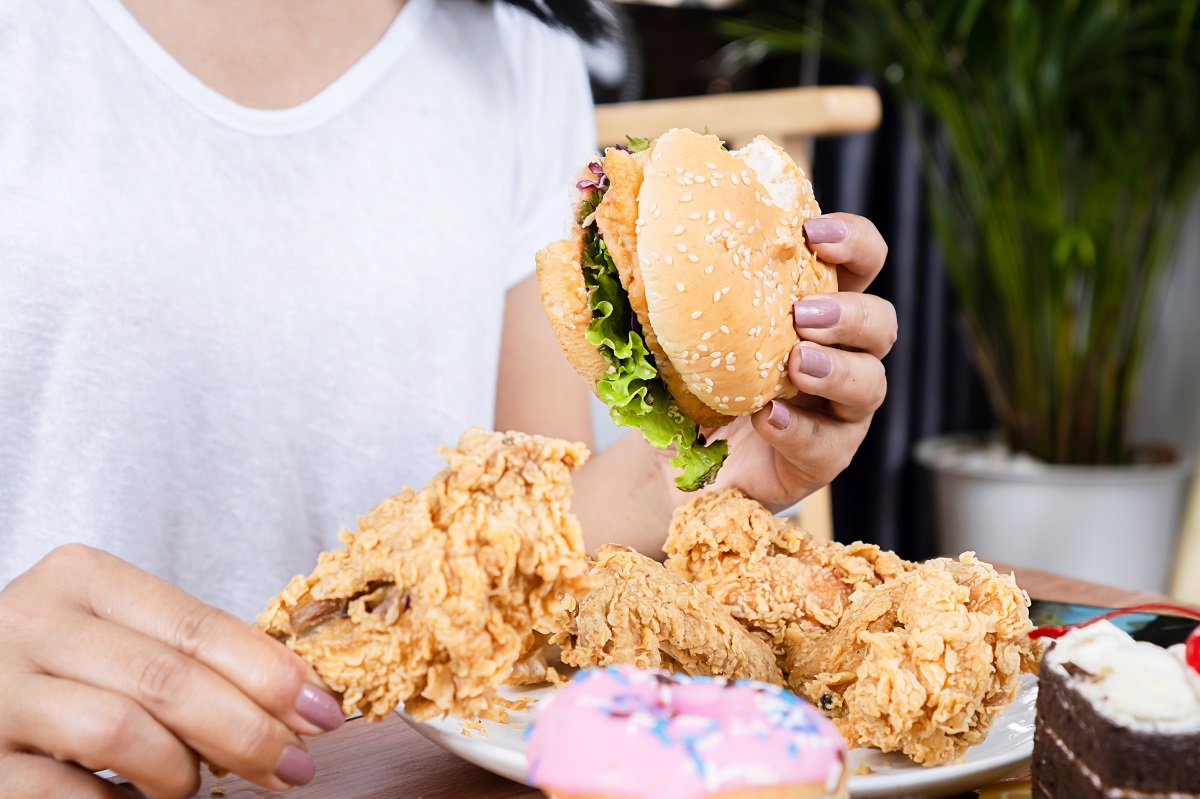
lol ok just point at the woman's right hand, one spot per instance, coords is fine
(103, 666)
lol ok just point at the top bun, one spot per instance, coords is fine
(721, 258)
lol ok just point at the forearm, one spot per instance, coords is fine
(624, 495)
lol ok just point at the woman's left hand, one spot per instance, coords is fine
(792, 447)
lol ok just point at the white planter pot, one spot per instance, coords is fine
(1115, 525)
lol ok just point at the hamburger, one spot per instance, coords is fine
(672, 293)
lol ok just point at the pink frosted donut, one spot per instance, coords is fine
(626, 733)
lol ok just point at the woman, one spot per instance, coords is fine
(260, 259)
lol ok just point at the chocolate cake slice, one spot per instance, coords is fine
(1116, 719)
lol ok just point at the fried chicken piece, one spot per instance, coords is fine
(538, 663)
(921, 664)
(642, 614)
(770, 574)
(436, 596)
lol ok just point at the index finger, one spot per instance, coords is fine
(851, 242)
(266, 671)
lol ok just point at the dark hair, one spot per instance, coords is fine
(583, 18)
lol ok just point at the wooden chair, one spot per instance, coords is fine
(791, 118)
(1186, 584)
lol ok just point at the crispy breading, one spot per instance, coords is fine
(921, 664)
(903, 657)
(642, 614)
(436, 596)
(772, 576)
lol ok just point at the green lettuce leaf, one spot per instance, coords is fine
(634, 393)
(637, 143)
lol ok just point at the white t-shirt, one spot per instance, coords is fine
(226, 332)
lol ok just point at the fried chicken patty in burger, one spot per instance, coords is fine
(672, 294)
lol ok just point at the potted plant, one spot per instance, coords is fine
(1067, 147)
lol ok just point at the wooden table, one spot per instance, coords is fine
(388, 760)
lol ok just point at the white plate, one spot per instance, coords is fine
(1008, 746)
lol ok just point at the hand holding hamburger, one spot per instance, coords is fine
(673, 297)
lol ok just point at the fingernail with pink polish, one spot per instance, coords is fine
(817, 312)
(815, 362)
(319, 708)
(295, 767)
(780, 417)
(825, 230)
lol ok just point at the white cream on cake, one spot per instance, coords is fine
(1134, 682)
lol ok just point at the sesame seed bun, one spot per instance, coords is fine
(565, 301)
(722, 258)
(617, 220)
(709, 246)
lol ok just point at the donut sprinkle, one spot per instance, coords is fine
(650, 734)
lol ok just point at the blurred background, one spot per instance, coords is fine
(1035, 171)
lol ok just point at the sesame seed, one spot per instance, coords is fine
(683, 354)
(696, 314)
(739, 399)
(729, 368)
(716, 296)
(708, 335)
(717, 354)
(694, 215)
(657, 213)
(740, 224)
(678, 229)
(680, 286)
(702, 347)
(728, 216)
(736, 180)
(679, 169)
(755, 303)
(708, 270)
(693, 258)
(715, 363)
(708, 381)
(716, 175)
(701, 179)
(668, 259)
(795, 221)
(681, 247)
(687, 198)
(682, 182)
(689, 174)
(722, 405)
(710, 165)
(725, 330)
